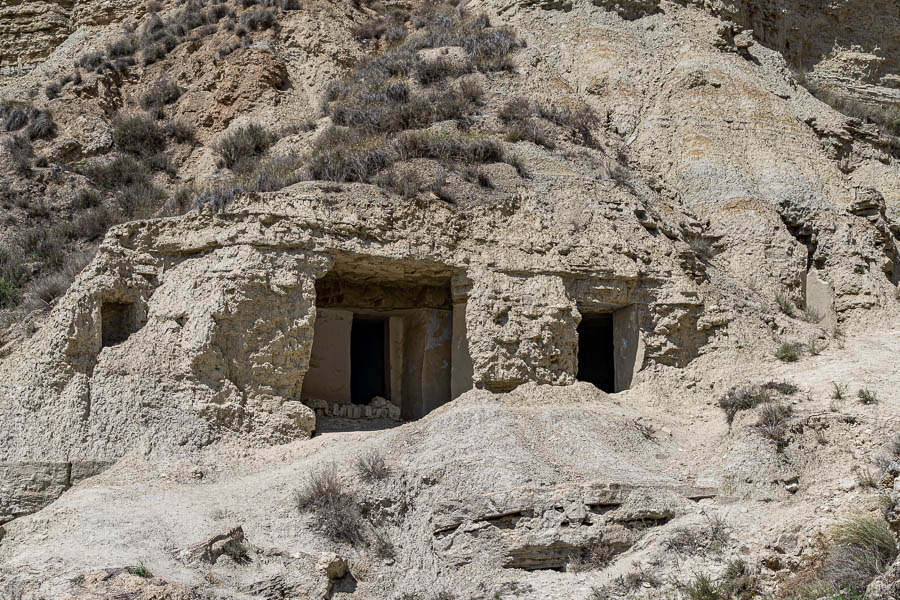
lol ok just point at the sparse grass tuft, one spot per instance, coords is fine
(739, 581)
(406, 183)
(372, 466)
(335, 507)
(861, 549)
(162, 93)
(701, 587)
(814, 347)
(782, 387)
(742, 398)
(838, 390)
(236, 550)
(788, 352)
(867, 396)
(784, 302)
(772, 423)
(866, 478)
(20, 153)
(142, 571)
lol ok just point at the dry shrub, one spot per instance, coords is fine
(138, 134)
(742, 398)
(162, 93)
(335, 507)
(372, 466)
(243, 143)
(772, 423)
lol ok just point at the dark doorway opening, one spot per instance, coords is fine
(368, 364)
(596, 351)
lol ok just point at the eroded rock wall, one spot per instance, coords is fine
(31, 30)
(854, 44)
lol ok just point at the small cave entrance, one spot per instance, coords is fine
(369, 367)
(596, 351)
(118, 320)
(385, 331)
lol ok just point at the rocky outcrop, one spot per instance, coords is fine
(31, 30)
(851, 44)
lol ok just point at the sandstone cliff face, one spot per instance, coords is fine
(851, 44)
(31, 31)
(189, 331)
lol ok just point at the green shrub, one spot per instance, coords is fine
(243, 143)
(701, 587)
(861, 549)
(138, 134)
(788, 352)
(10, 295)
(236, 550)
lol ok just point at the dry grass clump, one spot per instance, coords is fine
(742, 398)
(335, 507)
(701, 587)
(782, 387)
(380, 111)
(20, 152)
(162, 93)
(788, 352)
(138, 134)
(858, 550)
(784, 303)
(243, 144)
(867, 396)
(528, 120)
(772, 423)
(372, 466)
(216, 197)
(14, 115)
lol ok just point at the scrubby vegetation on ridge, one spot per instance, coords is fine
(131, 181)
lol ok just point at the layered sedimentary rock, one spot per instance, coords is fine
(31, 30)
(852, 44)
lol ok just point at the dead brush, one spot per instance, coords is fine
(646, 430)
(371, 466)
(336, 508)
(742, 398)
(772, 422)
